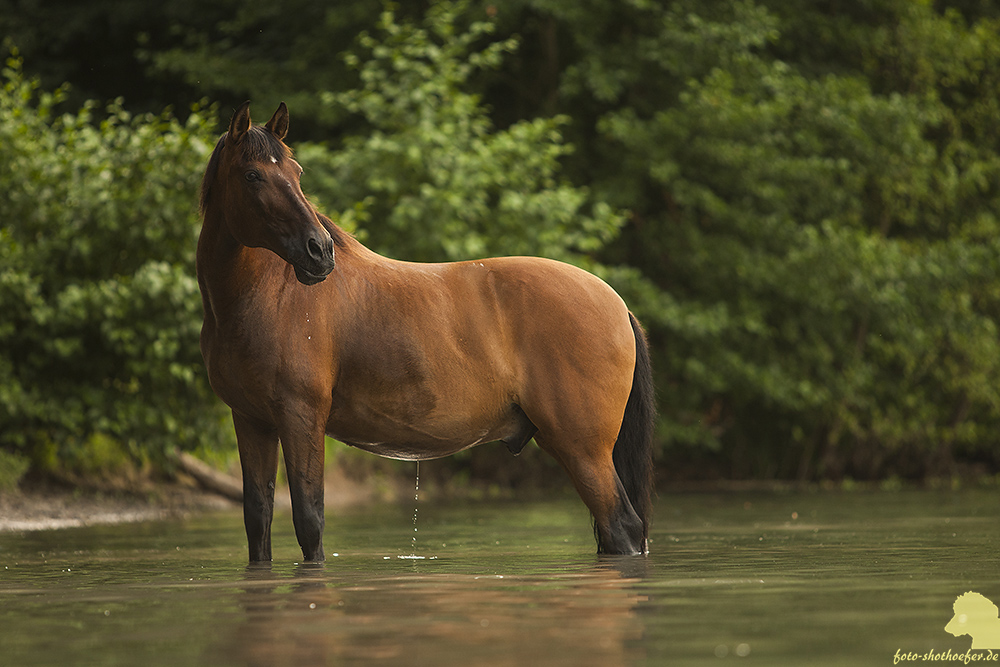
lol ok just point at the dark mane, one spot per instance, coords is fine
(257, 144)
(210, 171)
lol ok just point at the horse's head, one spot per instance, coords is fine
(256, 181)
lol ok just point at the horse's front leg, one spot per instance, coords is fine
(304, 452)
(258, 445)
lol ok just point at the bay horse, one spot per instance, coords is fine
(308, 333)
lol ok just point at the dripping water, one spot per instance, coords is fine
(416, 498)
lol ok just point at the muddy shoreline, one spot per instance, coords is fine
(50, 505)
(46, 506)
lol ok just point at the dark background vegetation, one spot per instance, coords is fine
(799, 199)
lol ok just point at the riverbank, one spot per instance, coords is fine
(48, 504)
(45, 504)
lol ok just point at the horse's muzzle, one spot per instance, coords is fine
(317, 261)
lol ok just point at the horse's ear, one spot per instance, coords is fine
(240, 124)
(278, 125)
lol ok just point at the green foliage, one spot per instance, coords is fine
(12, 469)
(827, 250)
(435, 179)
(266, 52)
(812, 195)
(101, 314)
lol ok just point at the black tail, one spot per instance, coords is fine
(633, 453)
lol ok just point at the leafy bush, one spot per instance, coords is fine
(101, 312)
(824, 242)
(434, 179)
(12, 469)
(813, 192)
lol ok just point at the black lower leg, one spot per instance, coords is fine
(258, 445)
(622, 532)
(258, 511)
(309, 520)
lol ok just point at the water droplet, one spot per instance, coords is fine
(416, 499)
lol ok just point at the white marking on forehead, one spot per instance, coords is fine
(274, 159)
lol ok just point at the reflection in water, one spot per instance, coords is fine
(775, 579)
(318, 616)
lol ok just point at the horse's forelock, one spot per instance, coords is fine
(259, 144)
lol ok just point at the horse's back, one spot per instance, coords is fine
(560, 303)
(534, 282)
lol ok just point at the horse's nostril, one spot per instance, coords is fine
(314, 249)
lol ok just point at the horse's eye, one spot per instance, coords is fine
(252, 176)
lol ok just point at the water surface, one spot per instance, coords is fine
(770, 579)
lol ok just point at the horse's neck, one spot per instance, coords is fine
(227, 270)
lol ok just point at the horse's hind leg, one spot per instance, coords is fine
(621, 531)
(258, 445)
(618, 528)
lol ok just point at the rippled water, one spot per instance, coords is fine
(771, 579)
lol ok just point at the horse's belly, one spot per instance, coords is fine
(422, 441)
(410, 451)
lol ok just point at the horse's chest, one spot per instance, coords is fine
(241, 370)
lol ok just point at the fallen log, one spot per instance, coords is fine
(209, 478)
